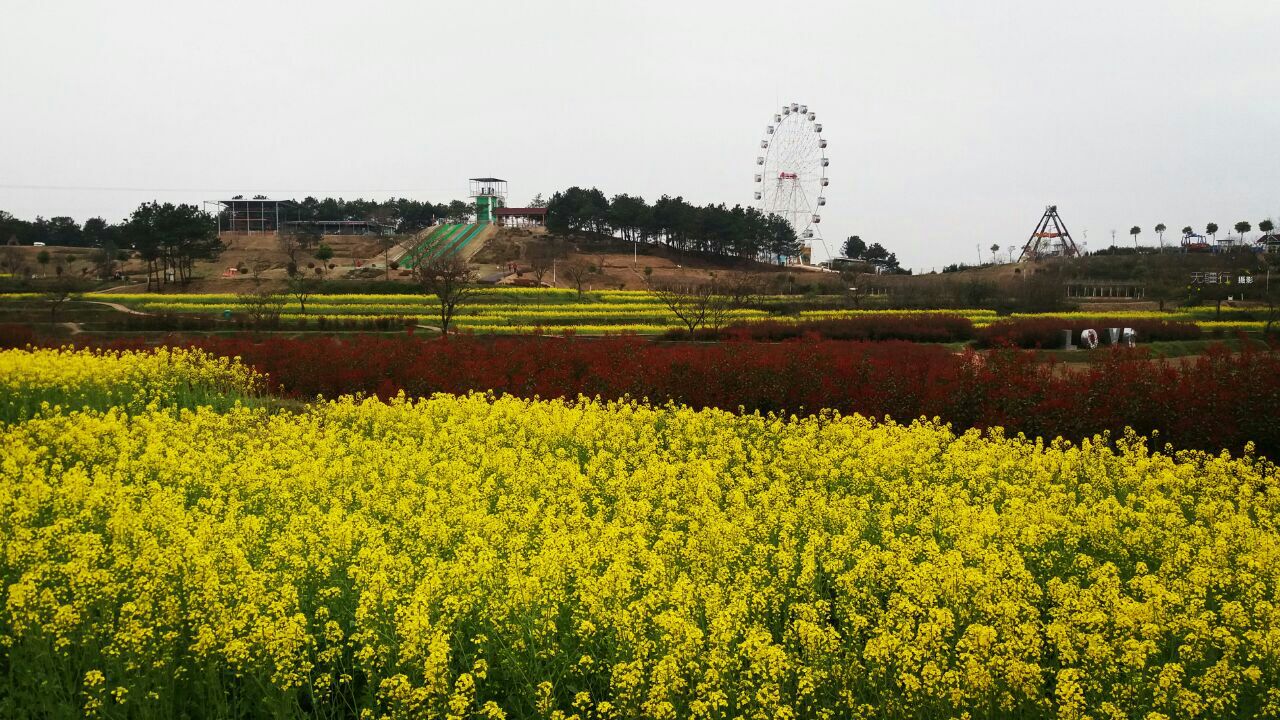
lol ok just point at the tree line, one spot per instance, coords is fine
(1266, 227)
(715, 229)
(169, 238)
(402, 214)
(855, 248)
(59, 230)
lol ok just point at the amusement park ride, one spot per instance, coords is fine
(1050, 239)
(791, 175)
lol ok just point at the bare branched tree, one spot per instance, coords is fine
(743, 290)
(539, 265)
(451, 280)
(60, 289)
(302, 288)
(11, 260)
(258, 267)
(291, 245)
(696, 304)
(578, 272)
(541, 256)
(261, 307)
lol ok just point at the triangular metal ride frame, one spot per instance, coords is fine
(1050, 229)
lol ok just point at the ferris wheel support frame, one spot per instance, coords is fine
(792, 173)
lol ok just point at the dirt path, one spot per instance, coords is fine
(117, 306)
(118, 288)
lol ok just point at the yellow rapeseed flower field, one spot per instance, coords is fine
(481, 557)
(132, 380)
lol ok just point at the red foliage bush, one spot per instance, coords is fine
(1220, 400)
(1047, 332)
(915, 327)
(16, 335)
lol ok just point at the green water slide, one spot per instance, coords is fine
(462, 241)
(444, 247)
(414, 256)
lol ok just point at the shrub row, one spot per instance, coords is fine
(921, 327)
(1046, 332)
(1220, 400)
(16, 335)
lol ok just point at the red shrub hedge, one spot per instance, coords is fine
(16, 335)
(1047, 332)
(1219, 400)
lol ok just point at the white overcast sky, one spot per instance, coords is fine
(951, 124)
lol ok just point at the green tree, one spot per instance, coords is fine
(171, 238)
(1266, 226)
(43, 258)
(459, 211)
(324, 254)
(1211, 230)
(1243, 227)
(1160, 228)
(62, 230)
(105, 258)
(1135, 231)
(854, 247)
(783, 242)
(995, 250)
(98, 232)
(629, 215)
(577, 210)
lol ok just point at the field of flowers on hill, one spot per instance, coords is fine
(473, 556)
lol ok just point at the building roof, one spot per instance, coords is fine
(488, 179)
(332, 222)
(254, 200)
(520, 211)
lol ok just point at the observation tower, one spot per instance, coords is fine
(490, 194)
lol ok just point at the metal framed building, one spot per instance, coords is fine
(255, 216)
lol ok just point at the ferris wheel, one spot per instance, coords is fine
(791, 172)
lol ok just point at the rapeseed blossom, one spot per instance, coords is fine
(489, 557)
(129, 380)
